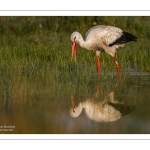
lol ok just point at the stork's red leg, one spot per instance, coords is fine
(117, 66)
(98, 64)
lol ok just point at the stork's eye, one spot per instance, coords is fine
(74, 38)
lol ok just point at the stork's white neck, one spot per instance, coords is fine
(83, 43)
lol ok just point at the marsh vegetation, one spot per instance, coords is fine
(37, 77)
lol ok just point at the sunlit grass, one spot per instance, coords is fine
(41, 54)
(53, 55)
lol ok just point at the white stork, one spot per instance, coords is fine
(101, 38)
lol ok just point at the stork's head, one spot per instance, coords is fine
(75, 36)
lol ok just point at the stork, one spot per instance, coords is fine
(101, 38)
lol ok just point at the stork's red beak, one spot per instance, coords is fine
(74, 50)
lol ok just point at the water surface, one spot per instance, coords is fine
(73, 104)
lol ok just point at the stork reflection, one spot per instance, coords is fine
(107, 109)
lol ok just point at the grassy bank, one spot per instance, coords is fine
(32, 41)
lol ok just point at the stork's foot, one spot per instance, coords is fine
(117, 66)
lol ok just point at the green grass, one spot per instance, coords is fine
(36, 46)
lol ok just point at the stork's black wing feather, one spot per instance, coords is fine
(126, 37)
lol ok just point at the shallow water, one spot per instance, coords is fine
(72, 104)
